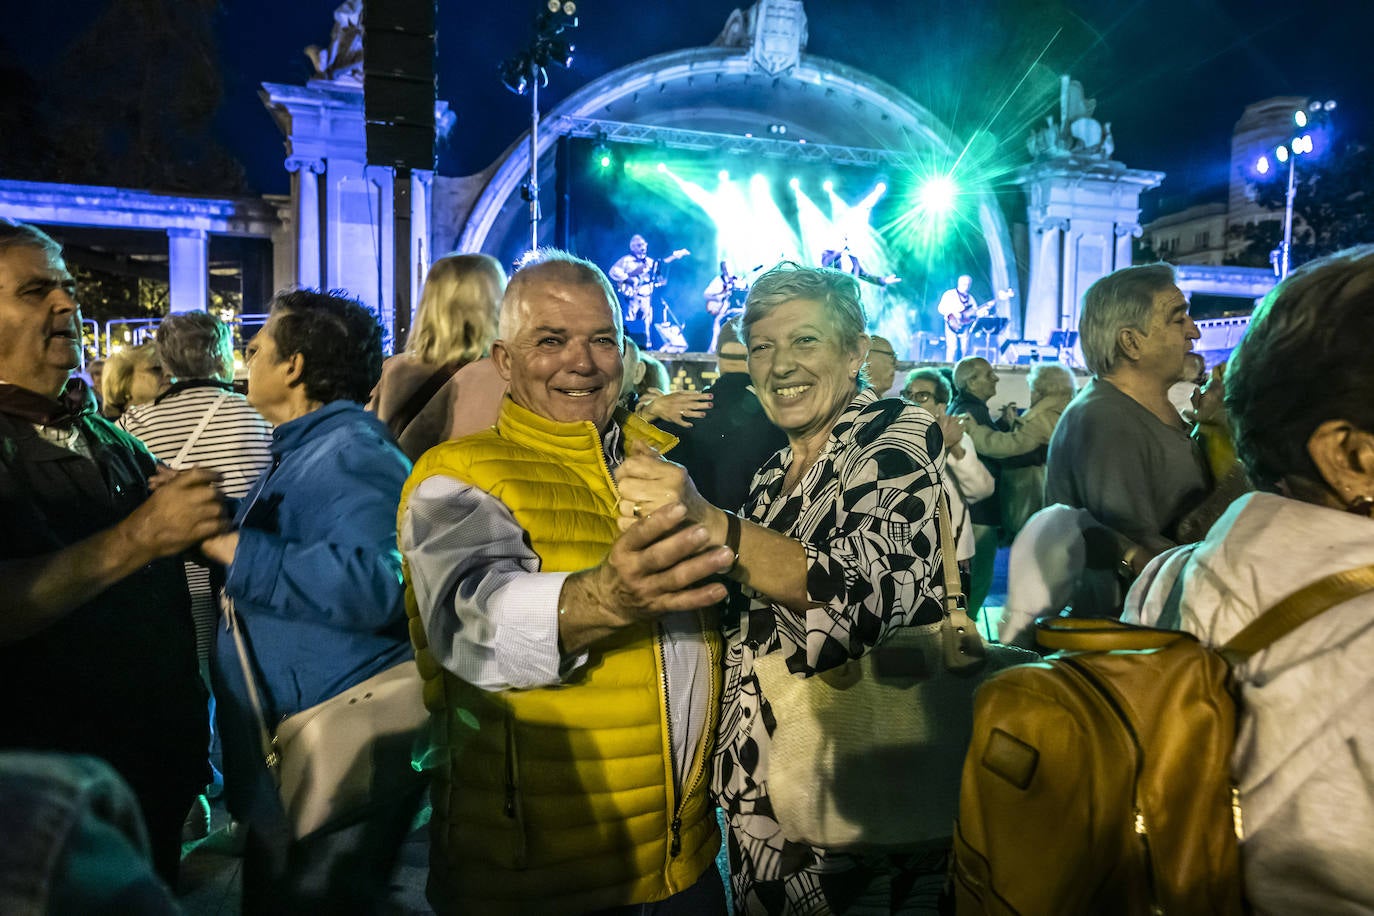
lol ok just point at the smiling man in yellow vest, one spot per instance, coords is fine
(573, 677)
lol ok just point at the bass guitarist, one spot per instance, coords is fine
(636, 276)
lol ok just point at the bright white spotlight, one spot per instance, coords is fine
(723, 176)
(1300, 118)
(795, 184)
(663, 166)
(937, 195)
(1281, 154)
(1303, 144)
(828, 186)
(1262, 165)
(880, 188)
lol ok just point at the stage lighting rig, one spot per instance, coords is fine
(527, 72)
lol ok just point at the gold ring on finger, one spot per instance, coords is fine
(637, 511)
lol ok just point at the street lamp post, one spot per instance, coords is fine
(1288, 216)
(1289, 152)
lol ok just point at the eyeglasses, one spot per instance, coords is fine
(918, 397)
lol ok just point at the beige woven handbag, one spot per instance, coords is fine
(868, 756)
(338, 761)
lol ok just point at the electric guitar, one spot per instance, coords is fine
(731, 294)
(962, 320)
(641, 285)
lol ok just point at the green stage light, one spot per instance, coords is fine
(938, 194)
(663, 166)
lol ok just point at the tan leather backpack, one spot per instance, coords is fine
(1098, 780)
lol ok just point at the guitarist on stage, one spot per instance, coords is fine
(637, 275)
(961, 311)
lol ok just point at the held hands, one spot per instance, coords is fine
(649, 482)
(657, 566)
(184, 509)
(659, 563)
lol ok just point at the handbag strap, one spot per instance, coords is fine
(1091, 635)
(192, 439)
(1295, 610)
(949, 559)
(420, 397)
(269, 744)
(961, 643)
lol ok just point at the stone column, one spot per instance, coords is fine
(188, 269)
(420, 255)
(306, 192)
(1124, 233)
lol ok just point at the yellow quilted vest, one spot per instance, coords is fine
(560, 799)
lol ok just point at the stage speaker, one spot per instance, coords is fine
(399, 82)
(1024, 352)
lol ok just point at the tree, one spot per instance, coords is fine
(131, 101)
(1333, 208)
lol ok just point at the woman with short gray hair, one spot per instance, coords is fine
(1300, 396)
(195, 345)
(835, 549)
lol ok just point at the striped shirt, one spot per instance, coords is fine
(237, 443)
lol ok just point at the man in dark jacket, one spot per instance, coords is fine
(724, 449)
(97, 653)
(974, 384)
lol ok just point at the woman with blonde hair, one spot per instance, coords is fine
(132, 376)
(454, 326)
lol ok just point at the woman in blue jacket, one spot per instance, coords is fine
(315, 580)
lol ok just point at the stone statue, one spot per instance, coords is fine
(1077, 133)
(775, 30)
(342, 61)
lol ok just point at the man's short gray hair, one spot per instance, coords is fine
(552, 264)
(836, 291)
(195, 345)
(966, 367)
(14, 234)
(1122, 299)
(1050, 378)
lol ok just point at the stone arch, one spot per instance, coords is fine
(723, 90)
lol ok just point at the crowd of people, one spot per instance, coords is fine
(591, 571)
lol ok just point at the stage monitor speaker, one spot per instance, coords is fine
(399, 82)
(1024, 352)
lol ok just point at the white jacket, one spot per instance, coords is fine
(966, 480)
(1304, 758)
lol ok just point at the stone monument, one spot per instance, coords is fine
(1083, 209)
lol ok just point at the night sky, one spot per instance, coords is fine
(1171, 75)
